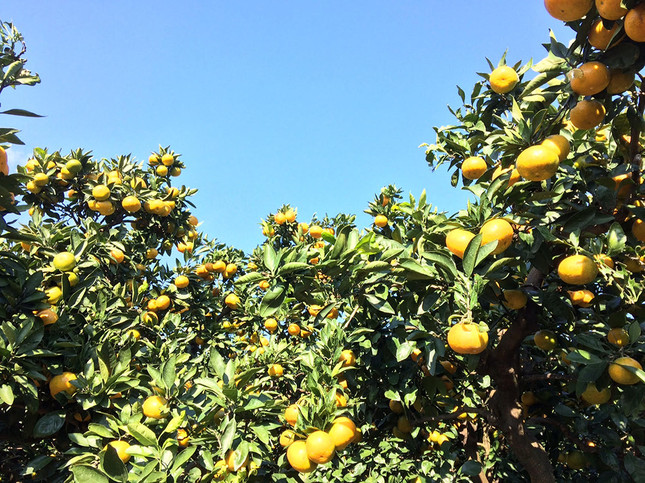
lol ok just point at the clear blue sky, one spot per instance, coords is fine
(316, 104)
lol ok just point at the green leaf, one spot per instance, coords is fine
(182, 457)
(272, 301)
(404, 351)
(471, 468)
(292, 267)
(169, 371)
(49, 424)
(270, 257)
(470, 254)
(112, 465)
(217, 363)
(6, 394)
(616, 240)
(87, 474)
(228, 435)
(442, 260)
(175, 423)
(100, 430)
(250, 278)
(20, 112)
(379, 304)
(262, 433)
(142, 434)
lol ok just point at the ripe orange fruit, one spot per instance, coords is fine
(342, 432)
(559, 144)
(101, 192)
(136, 335)
(635, 23)
(341, 400)
(348, 358)
(290, 216)
(620, 81)
(53, 294)
(131, 204)
(380, 221)
(291, 414)
(154, 407)
(473, 167)
(117, 255)
(271, 325)
(605, 259)
(457, 241)
(514, 178)
(545, 340)
(320, 447)
(162, 170)
(601, 38)
(589, 79)
(162, 302)
(638, 230)
(287, 437)
(280, 218)
(619, 374)
(610, 9)
(514, 299)
(230, 461)
(48, 316)
(293, 329)
(568, 10)
(594, 397)
(232, 301)
(537, 163)
(503, 79)
(62, 382)
(276, 370)
(467, 338)
(40, 179)
(120, 447)
(581, 298)
(618, 337)
(181, 281)
(577, 270)
(298, 457)
(587, 114)
(182, 437)
(315, 231)
(304, 227)
(64, 261)
(500, 230)
(167, 159)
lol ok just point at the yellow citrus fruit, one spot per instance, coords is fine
(568, 10)
(232, 301)
(230, 461)
(380, 221)
(291, 414)
(403, 424)
(293, 329)
(514, 177)
(619, 374)
(298, 457)
(320, 447)
(134, 333)
(341, 400)
(587, 114)
(594, 397)
(287, 437)
(181, 281)
(271, 325)
(182, 437)
(473, 167)
(154, 407)
(545, 340)
(163, 302)
(106, 208)
(467, 338)
(348, 358)
(153, 159)
(167, 159)
(581, 298)
(559, 144)
(537, 163)
(601, 38)
(618, 337)
(117, 255)
(503, 79)
(162, 170)
(514, 299)
(500, 230)
(4, 167)
(48, 316)
(610, 9)
(120, 447)
(635, 23)
(457, 241)
(53, 294)
(638, 230)
(279, 218)
(605, 260)
(61, 383)
(342, 432)
(101, 192)
(41, 179)
(151, 253)
(290, 216)
(276, 370)
(589, 79)
(577, 270)
(315, 231)
(64, 261)
(131, 204)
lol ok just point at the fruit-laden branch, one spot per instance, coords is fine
(503, 365)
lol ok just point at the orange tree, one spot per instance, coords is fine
(500, 343)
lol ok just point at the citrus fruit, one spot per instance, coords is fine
(280, 218)
(559, 144)
(467, 338)
(117, 255)
(120, 447)
(545, 340)
(620, 374)
(473, 167)
(537, 163)
(380, 221)
(291, 414)
(48, 316)
(271, 325)
(610, 9)
(290, 216)
(620, 81)
(589, 79)
(568, 10)
(514, 299)
(167, 159)
(62, 382)
(601, 38)
(638, 230)
(232, 301)
(276, 370)
(101, 192)
(230, 461)
(131, 204)
(315, 231)
(64, 261)
(457, 241)
(587, 114)
(500, 230)
(403, 424)
(594, 397)
(342, 432)
(181, 281)
(154, 407)
(320, 447)
(287, 437)
(219, 266)
(293, 329)
(163, 302)
(577, 270)
(53, 294)
(635, 23)
(298, 457)
(396, 406)
(182, 437)
(581, 298)
(618, 337)
(576, 460)
(503, 79)
(348, 358)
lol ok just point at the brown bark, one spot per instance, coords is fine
(503, 365)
